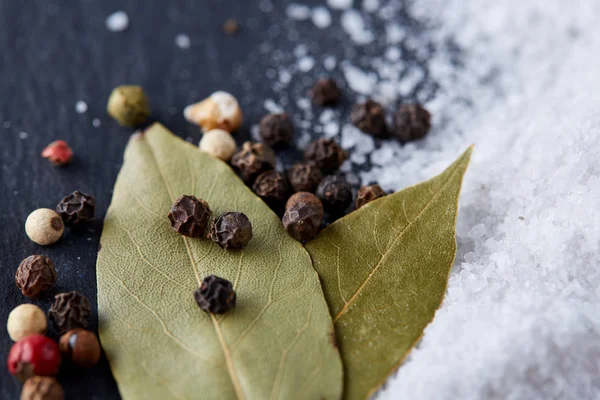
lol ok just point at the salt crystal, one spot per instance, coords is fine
(305, 64)
(298, 12)
(23, 135)
(329, 63)
(81, 106)
(339, 4)
(358, 80)
(284, 76)
(255, 133)
(321, 17)
(265, 6)
(117, 21)
(96, 122)
(370, 5)
(6, 124)
(272, 107)
(326, 116)
(303, 103)
(354, 25)
(183, 41)
(331, 129)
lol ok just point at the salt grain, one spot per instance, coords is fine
(305, 64)
(339, 4)
(272, 107)
(96, 122)
(23, 135)
(321, 17)
(183, 41)
(298, 12)
(354, 25)
(329, 63)
(359, 81)
(81, 106)
(117, 22)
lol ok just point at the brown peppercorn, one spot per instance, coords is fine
(369, 117)
(326, 153)
(304, 176)
(231, 230)
(367, 194)
(272, 187)
(189, 216)
(303, 216)
(42, 388)
(411, 122)
(81, 347)
(35, 275)
(335, 193)
(216, 295)
(77, 208)
(325, 92)
(276, 130)
(252, 160)
(69, 311)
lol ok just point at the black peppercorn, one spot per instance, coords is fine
(368, 193)
(325, 92)
(276, 130)
(272, 187)
(326, 153)
(69, 311)
(369, 117)
(77, 208)
(189, 216)
(411, 122)
(252, 160)
(335, 193)
(303, 216)
(231, 230)
(216, 295)
(35, 275)
(304, 176)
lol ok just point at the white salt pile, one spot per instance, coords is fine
(117, 21)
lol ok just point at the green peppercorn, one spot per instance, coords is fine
(128, 105)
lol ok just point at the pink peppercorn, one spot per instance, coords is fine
(58, 153)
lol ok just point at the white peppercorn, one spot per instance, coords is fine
(218, 143)
(221, 110)
(25, 320)
(44, 226)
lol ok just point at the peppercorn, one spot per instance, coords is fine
(231, 230)
(219, 111)
(367, 194)
(128, 105)
(335, 193)
(231, 26)
(411, 122)
(25, 320)
(218, 143)
(35, 275)
(69, 311)
(215, 295)
(77, 209)
(81, 347)
(304, 176)
(272, 187)
(58, 153)
(33, 355)
(189, 216)
(325, 92)
(369, 117)
(326, 153)
(44, 226)
(303, 216)
(276, 130)
(42, 388)
(252, 160)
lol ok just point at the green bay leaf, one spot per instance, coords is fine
(276, 344)
(384, 270)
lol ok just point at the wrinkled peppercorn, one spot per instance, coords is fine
(369, 117)
(216, 295)
(252, 160)
(69, 311)
(367, 194)
(276, 130)
(77, 208)
(326, 153)
(303, 216)
(411, 122)
(304, 176)
(335, 193)
(231, 230)
(35, 275)
(325, 92)
(81, 347)
(42, 388)
(272, 187)
(189, 216)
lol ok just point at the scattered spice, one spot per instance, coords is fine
(219, 111)
(42, 388)
(411, 122)
(216, 295)
(58, 153)
(35, 275)
(325, 92)
(326, 153)
(369, 117)
(231, 26)
(276, 130)
(272, 187)
(81, 347)
(77, 208)
(304, 176)
(44, 226)
(128, 105)
(69, 311)
(367, 194)
(189, 216)
(231, 230)
(252, 160)
(25, 320)
(34, 355)
(335, 193)
(303, 216)
(218, 143)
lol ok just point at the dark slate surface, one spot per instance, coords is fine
(57, 52)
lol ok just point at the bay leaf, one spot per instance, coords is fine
(384, 270)
(276, 344)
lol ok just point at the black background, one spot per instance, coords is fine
(54, 53)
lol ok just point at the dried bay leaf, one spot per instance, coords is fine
(276, 344)
(384, 270)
